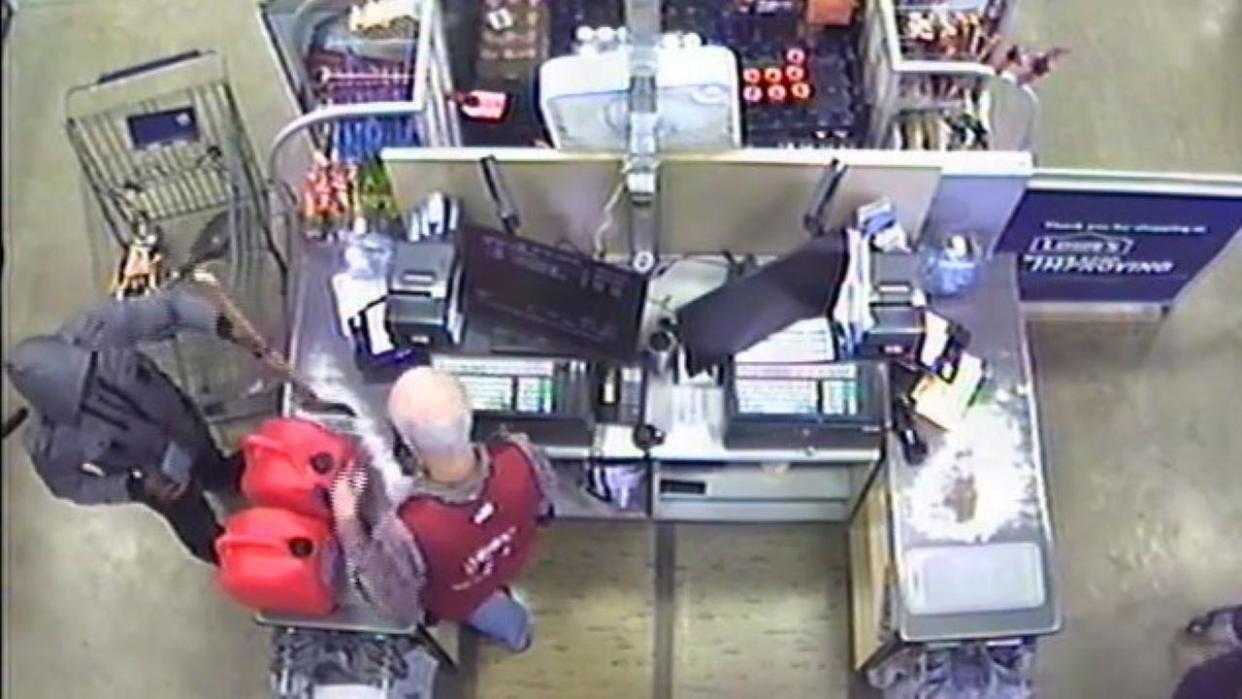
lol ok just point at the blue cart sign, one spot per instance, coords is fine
(1097, 246)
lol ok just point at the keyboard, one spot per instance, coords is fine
(504, 384)
(488, 366)
(488, 392)
(777, 397)
(550, 400)
(813, 372)
(830, 397)
(835, 404)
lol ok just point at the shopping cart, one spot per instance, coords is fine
(170, 169)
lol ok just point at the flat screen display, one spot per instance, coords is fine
(591, 308)
(802, 284)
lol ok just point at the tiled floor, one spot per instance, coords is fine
(760, 611)
(1140, 428)
(593, 602)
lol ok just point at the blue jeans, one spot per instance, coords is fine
(504, 620)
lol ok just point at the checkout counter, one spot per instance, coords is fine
(926, 569)
(974, 510)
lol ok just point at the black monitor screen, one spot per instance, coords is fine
(802, 284)
(590, 307)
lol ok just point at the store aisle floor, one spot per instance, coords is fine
(103, 602)
(1139, 422)
(1147, 85)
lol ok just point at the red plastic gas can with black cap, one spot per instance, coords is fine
(291, 463)
(279, 561)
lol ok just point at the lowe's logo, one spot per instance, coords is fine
(1082, 244)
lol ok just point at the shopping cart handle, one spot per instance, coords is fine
(149, 65)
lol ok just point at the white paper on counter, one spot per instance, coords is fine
(353, 294)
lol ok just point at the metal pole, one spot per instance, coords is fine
(642, 159)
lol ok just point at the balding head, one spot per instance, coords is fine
(432, 414)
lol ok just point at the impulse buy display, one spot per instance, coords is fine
(949, 109)
(338, 196)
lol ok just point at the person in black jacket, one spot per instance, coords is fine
(110, 427)
(1219, 677)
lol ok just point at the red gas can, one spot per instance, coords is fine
(278, 561)
(291, 463)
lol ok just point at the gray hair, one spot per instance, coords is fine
(437, 439)
(432, 414)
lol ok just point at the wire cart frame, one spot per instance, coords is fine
(163, 149)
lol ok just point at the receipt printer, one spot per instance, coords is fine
(896, 304)
(423, 308)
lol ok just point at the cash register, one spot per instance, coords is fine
(559, 330)
(790, 390)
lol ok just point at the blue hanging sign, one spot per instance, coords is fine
(1098, 246)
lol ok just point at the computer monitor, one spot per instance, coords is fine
(591, 309)
(802, 284)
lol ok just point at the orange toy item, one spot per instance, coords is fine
(278, 561)
(292, 463)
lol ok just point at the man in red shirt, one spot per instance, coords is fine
(452, 547)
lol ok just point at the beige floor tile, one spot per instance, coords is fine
(761, 611)
(592, 597)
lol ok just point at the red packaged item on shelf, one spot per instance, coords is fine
(777, 94)
(801, 92)
(292, 463)
(278, 561)
(773, 75)
(752, 76)
(483, 105)
(794, 74)
(795, 56)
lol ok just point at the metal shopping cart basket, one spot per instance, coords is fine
(166, 159)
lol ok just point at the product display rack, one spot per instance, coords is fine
(327, 66)
(915, 90)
